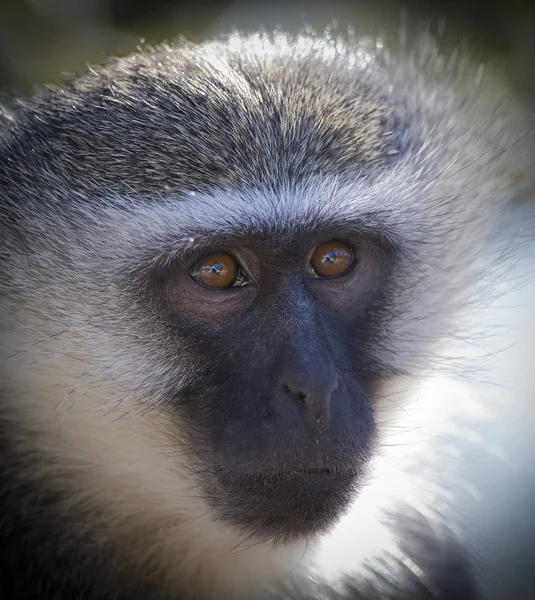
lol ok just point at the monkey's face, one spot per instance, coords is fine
(278, 412)
(214, 230)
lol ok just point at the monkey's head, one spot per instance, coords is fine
(241, 240)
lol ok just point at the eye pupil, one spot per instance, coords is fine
(216, 271)
(332, 259)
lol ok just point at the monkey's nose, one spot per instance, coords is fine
(311, 389)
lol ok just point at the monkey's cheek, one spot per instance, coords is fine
(284, 506)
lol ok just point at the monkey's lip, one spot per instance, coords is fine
(298, 472)
(317, 471)
(312, 472)
(287, 472)
(297, 478)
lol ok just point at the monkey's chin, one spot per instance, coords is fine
(284, 507)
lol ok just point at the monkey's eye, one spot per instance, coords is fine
(332, 259)
(218, 271)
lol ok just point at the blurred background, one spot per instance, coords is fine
(41, 41)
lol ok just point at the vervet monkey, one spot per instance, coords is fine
(214, 259)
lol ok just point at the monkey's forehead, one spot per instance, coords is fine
(274, 123)
(246, 112)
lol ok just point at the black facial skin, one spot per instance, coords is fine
(279, 413)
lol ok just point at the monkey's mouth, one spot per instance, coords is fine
(312, 472)
(285, 505)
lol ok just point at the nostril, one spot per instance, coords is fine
(298, 394)
(301, 396)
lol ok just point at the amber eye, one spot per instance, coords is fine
(216, 271)
(332, 259)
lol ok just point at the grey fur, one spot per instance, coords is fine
(138, 162)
